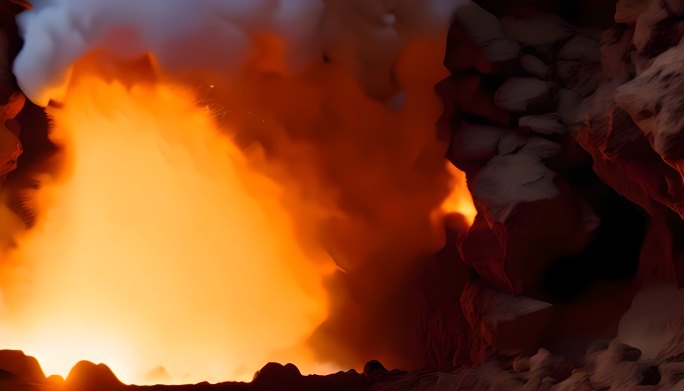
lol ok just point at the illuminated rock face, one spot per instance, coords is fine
(571, 146)
(634, 130)
(572, 150)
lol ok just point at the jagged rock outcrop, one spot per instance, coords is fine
(549, 118)
(633, 130)
(550, 222)
(11, 99)
(18, 370)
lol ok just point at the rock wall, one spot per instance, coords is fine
(566, 119)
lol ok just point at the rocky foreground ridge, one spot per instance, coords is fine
(604, 365)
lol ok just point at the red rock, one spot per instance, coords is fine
(462, 52)
(21, 367)
(86, 376)
(505, 323)
(624, 160)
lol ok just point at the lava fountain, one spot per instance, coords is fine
(157, 246)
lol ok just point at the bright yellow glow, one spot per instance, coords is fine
(459, 200)
(158, 246)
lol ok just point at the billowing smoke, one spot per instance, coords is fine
(334, 99)
(183, 35)
(218, 36)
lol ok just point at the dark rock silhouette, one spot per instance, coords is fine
(15, 366)
(85, 376)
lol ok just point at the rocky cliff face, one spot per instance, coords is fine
(567, 124)
(11, 99)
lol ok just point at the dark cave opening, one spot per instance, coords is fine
(611, 256)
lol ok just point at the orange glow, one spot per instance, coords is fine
(459, 199)
(158, 247)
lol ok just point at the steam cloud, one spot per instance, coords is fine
(214, 35)
(333, 98)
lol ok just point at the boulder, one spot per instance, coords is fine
(86, 376)
(505, 323)
(17, 366)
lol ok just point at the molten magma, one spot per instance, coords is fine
(459, 200)
(158, 247)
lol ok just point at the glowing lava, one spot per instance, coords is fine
(158, 247)
(459, 199)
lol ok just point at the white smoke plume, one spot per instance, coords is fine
(215, 35)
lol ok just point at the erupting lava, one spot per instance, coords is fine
(158, 247)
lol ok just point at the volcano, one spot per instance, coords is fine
(308, 194)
